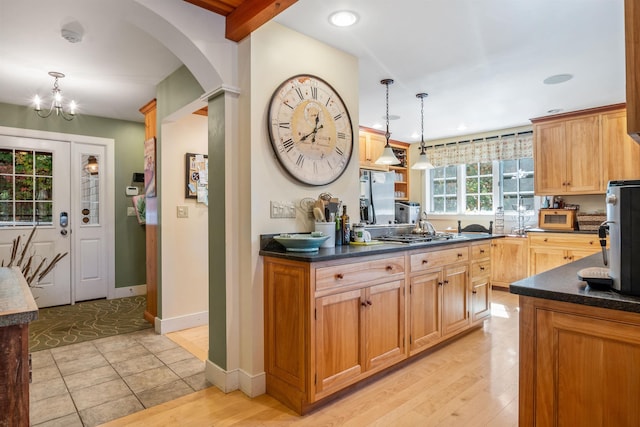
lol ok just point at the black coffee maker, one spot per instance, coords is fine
(623, 225)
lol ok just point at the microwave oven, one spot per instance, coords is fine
(557, 219)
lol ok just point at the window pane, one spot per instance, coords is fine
(486, 202)
(486, 168)
(510, 202)
(44, 164)
(451, 172)
(438, 188)
(438, 204)
(452, 204)
(526, 164)
(452, 187)
(6, 187)
(509, 166)
(509, 185)
(24, 162)
(472, 185)
(90, 193)
(43, 188)
(527, 202)
(486, 184)
(24, 211)
(472, 203)
(472, 169)
(438, 173)
(6, 161)
(44, 212)
(526, 184)
(24, 188)
(6, 211)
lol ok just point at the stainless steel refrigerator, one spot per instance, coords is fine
(377, 201)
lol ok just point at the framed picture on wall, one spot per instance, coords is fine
(150, 167)
(197, 170)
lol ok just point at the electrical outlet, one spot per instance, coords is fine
(131, 211)
(282, 210)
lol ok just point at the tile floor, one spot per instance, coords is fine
(90, 383)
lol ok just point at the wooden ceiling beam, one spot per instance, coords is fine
(251, 14)
(221, 7)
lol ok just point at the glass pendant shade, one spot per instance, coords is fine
(387, 157)
(423, 163)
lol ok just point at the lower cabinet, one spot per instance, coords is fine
(578, 365)
(331, 324)
(551, 250)
(358, 332)
(510, 259)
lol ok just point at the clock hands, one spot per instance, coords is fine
(314, 131)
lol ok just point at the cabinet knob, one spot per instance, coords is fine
(446, 282)
(369, 302)
(363, 303)
(481, 268)
(339, 276)
(545, 240)
(459, 255)
(591, 242)
(439, 283)
(425, 261)
(481, 251)
(474, 292)
(389, 268)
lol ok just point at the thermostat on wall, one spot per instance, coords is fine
(131, 191)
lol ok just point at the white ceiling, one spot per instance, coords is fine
(481, 61)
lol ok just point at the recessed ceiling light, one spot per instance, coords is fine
(554, 110)
(415, 135)
(462, 127)
(343, 18)
(377, 126)
(558, 78)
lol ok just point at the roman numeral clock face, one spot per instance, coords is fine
(310, 130)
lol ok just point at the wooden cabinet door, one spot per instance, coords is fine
(509, 261)
(578, 375)
(371, 147)
(550, 160)
(583, 155)
(576, 254)
(480, 298)
(339, 340)
(620, 153)
(424, 307)
(543, 259)
(455, 310)
(384, 314)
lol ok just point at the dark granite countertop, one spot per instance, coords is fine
(540, 230)
(17, 305)
(273, 249)
(562, 284)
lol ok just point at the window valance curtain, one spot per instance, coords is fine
(503, 147)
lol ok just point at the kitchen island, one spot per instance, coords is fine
(341, 315)
(579, 351)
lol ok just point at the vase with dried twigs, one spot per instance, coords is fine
(18, 254)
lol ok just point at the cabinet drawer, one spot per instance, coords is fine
(481, 268)
(481, 251)
(435, 259)
(351, 274)
(564, 240)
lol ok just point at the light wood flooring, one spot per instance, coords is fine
(473, 381)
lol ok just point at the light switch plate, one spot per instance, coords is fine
(182, 211)
(131, 211)
(282, 210)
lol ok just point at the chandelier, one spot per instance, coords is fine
(56, 101)
(387, 157)
(423, 162)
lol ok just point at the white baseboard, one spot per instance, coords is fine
(172, 324)
(130, 291)
(229, 381)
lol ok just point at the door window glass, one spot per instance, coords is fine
(26, 187)
(90, 190)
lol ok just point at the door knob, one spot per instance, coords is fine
(63, 232)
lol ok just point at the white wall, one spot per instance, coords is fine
(185, 276)
(271, 55)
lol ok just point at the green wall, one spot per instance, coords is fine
(129, 152)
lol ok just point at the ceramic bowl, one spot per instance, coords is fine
(300, 242)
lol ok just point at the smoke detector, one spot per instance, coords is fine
(70, 35)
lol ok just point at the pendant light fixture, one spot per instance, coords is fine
(56, 101)
(387, 157)
(423, 162)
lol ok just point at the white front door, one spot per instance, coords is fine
(35, 190)
(90, 215)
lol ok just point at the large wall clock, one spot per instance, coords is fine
(310, 130)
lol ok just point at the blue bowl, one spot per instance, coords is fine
(300, 242)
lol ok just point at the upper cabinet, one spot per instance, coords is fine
(579, 152)
(620, 154)
(371, 145)
(632, 43)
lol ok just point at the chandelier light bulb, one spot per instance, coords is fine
(56, 102)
